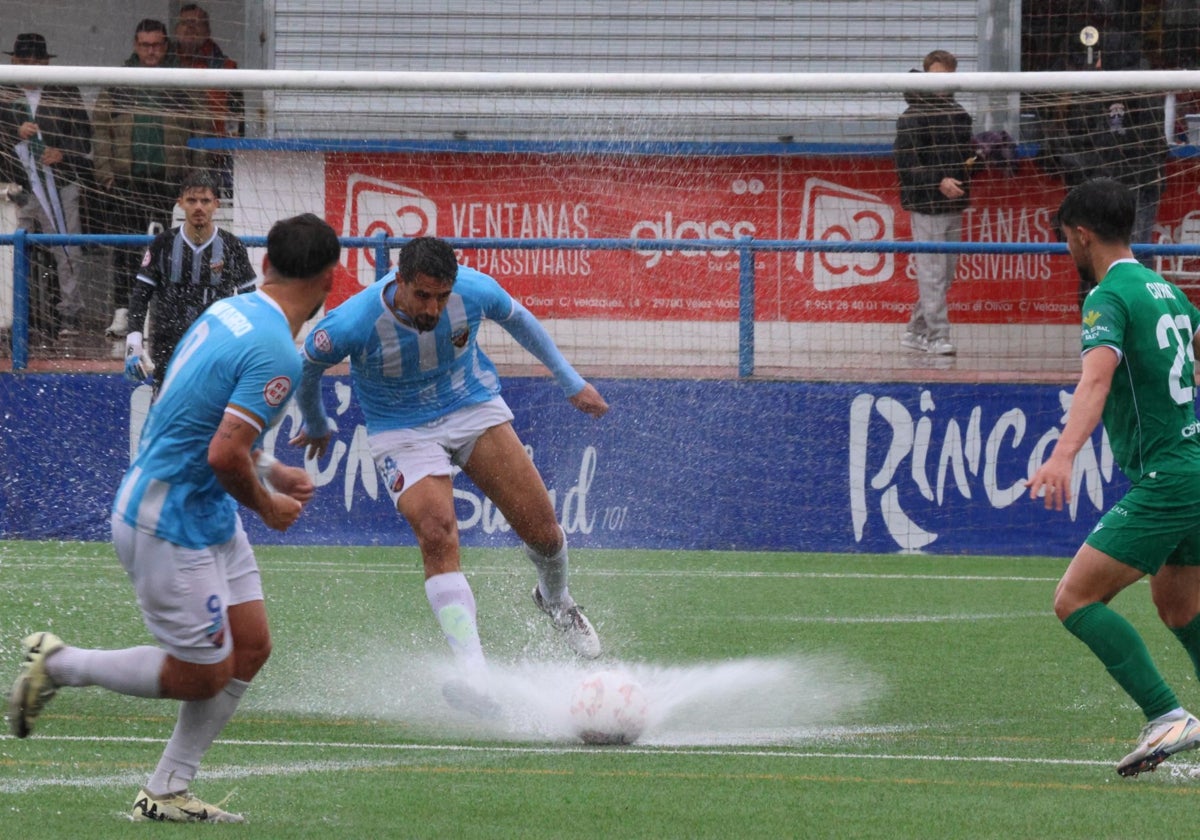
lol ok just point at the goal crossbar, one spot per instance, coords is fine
(634, 83)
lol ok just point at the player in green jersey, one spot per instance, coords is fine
(1139, 351)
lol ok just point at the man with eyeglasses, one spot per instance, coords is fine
(141, 154)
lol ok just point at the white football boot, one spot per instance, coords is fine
(567, 617)
(1159, 740)
(33, 688)
(180, 807)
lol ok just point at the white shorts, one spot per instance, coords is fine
(185, 593)
(405, 456)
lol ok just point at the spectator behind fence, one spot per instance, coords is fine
(45, 149)
(183, 271)
(933, 158)
(222, 110)
(141, 156)
(1113, 134)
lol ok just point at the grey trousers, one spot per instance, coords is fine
(67, 261)
(935, 272)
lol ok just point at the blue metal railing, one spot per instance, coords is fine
(747, 247)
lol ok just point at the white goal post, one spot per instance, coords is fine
(644, 83)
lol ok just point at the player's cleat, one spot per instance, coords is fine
(914, 342)
(119, 328)
(33, 688)
(1159, 740)
(941, 347)
(568, 618)
(180, 807)
(464, 697)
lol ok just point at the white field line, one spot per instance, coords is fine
(232, 772)
(28, 562)
(908, 619)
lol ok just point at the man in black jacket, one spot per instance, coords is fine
(45, 144)
(933, 159)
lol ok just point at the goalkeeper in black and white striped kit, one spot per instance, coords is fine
(183, 272)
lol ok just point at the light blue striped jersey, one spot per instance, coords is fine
(401, 376)
(239, 356)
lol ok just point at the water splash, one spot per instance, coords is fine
(770, 700)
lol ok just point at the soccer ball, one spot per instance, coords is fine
(608, 707)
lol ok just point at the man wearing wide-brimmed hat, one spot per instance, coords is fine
(45, 143)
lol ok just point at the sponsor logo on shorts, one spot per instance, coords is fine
(322, 341)
(459, 337)
(277, 391)
(216, 627)
(392, 474)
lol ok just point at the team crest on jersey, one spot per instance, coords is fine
(322, 341)
(459, 337)
(277, 391)
(146, 259)
(216, 266)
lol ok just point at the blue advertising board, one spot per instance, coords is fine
(676, 464)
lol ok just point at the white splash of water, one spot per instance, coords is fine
(771, 700)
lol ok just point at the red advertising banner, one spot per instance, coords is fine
(533, 196)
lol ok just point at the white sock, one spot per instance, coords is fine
(199, 724)
(552, 573)
(453, 606)
(134, 671)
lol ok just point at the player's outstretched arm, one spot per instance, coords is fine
(590, 402)
(316, 429)
(530, 334)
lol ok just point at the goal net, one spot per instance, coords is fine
(648, 241)
(545, 136)
(705, 194)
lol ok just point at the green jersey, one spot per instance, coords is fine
(1150, 413)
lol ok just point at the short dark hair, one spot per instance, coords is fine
(149, 25)
(194, 7)
(198, 179)
(943, 57)
(427, 255)
(1104, 206)
(302, 247)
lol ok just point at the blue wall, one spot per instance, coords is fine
(676, 464)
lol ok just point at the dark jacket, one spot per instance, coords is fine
(1119, 135)
(64, 126)
(933, 141)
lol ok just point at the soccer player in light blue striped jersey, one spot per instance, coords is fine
(431, 401)
(176, 527)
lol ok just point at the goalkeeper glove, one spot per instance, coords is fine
(135, 368)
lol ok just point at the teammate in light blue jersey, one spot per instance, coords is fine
(431, 399)
(238, 358)
(176, 527)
